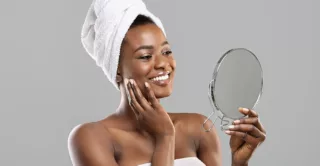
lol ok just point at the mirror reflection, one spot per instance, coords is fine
(237, 82)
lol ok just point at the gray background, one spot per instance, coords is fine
(49, 84)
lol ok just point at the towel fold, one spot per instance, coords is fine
(104, 28)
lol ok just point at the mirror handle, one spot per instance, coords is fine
(207, 130)
(213, 112)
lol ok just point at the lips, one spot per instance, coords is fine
(161, 76)
(162, 79)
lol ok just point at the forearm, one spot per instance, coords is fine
(164, 151)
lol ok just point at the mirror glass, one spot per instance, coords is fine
(237, 81)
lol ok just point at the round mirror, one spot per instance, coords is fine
(237, 82)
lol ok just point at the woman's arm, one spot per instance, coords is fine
(156, 121)
(209, 150)
(90, 146)
(164, 151)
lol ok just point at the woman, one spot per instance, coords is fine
(140, 131)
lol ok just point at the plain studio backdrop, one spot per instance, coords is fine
(49, 84)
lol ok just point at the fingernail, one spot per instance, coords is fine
(236, 121)
(227, 131)
(146, 84)
(231, 126)
(131, 81)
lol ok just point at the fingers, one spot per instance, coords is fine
(247, 128)
(139, 96)
(151, 97)
(246, 137)
(253, 118)
(133, 101)
(248, 112)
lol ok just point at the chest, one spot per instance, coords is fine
(135, 149)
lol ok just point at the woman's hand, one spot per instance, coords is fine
(151, 115)
(246, 135)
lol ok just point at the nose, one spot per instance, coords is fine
(162, 62)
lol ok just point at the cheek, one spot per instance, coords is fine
(173, 63)
(141, 69)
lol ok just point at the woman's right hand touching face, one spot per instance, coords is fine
(151, 115)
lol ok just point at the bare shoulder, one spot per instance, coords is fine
(90, 144)
(87, 133)
(188, 117)
(207, 143)
(190, 123)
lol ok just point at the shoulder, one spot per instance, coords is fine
(92, 132)
(88, 143)
(191, 123)
(207, 143)
(86, 132)
(190, 119)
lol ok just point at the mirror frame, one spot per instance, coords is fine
(212, 95)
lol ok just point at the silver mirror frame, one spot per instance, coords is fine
(225, 120)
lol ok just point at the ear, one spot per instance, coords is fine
(118, 77)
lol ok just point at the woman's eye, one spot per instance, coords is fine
(145, 57)
(167, 52)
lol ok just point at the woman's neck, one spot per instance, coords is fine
(125, 111)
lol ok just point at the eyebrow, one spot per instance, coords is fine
(149, 47)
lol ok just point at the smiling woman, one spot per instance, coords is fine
(138, 60)
(146, 56)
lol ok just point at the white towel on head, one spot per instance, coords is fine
(104, 28)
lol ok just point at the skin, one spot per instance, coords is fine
(132, 136)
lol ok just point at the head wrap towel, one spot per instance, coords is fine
(104, 28)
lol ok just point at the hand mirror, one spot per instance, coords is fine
(237, 82)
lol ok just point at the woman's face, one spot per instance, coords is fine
(146, 57)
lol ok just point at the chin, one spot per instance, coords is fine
(162, 92)
(162, 95)
(162, 89)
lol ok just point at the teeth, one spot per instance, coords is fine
(160, 78)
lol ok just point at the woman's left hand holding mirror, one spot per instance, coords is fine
(246, 135)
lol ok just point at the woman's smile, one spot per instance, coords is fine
(162, 79)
